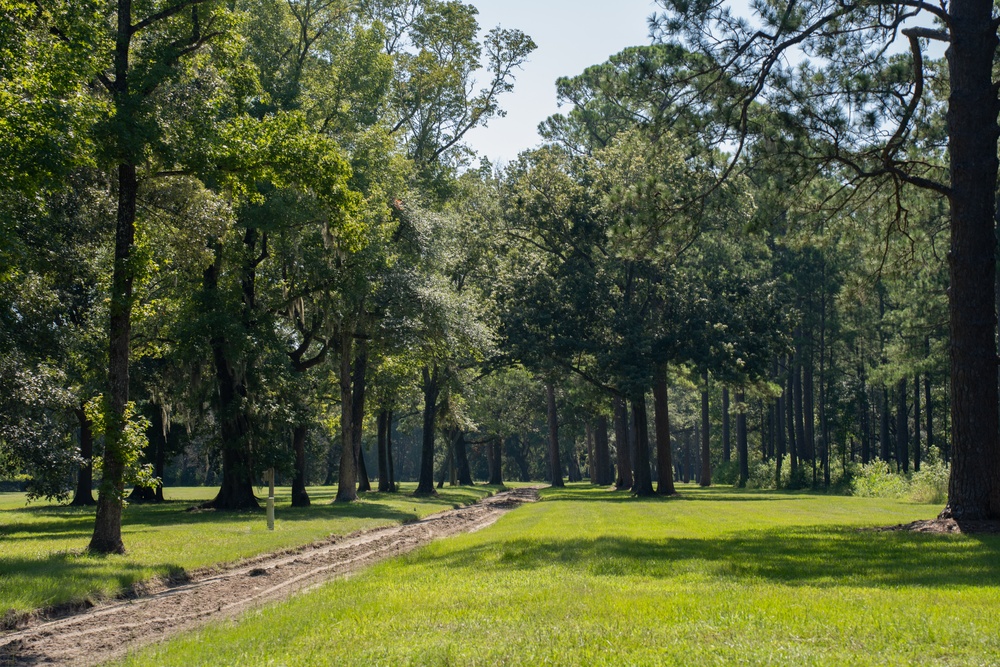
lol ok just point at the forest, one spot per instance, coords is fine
(247, 241)
(305, 254)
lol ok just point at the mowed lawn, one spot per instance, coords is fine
(591, 577)
(43, 559)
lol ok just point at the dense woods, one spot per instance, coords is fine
(247, 235)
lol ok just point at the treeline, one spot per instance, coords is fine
(244, 236)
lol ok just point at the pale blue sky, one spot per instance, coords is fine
(571, 35)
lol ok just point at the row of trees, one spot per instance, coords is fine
(303, 253)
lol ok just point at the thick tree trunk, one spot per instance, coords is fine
(555, 469)
(742, 447)
(602, 453)
(661, 426)
(425, 484)
(300, 497)
(495, 449)
(84, 495)
(706, 451)
(347, 482)
(462, 470)
(624, 477)
(974, 487)
(359, 379)
(726, 447)
(643, 481)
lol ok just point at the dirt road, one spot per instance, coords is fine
(109, 630)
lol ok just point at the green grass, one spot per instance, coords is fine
(590, 577)
(43, 559)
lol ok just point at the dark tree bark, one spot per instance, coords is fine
(973, 106)
(624, 479)
(885, 448)
(393, 487)
(661, 425)
(236, 490)
(431, 389)
(462, 470)
(902, 428)
(742, 447)
(300, 497)
(381, 421)
(347, 482)
(643, 481)
(793, 451)
(916, 423)
(726, 447)
(555, 469)
(495, 460)
(928, 408)
(602, 453)
(84, 496)
(706, 452)
(359, 380)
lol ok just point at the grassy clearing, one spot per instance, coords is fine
(43, 561)
(593, 577)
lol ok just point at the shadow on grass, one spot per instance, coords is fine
(816, 556)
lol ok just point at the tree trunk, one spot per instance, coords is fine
(884, 447)
(902, 428)
(661, 426)
(916, 423)
(643, 482)
(929, 410)
(591, 456)
(793, 450)
(706, 451)
(809, 410)
(602, 453)
(726, 448)
(359, 379)
(974, 486)
(496, 461)
(383, 458)
(300, 497)
(624, 478)
(393, 487)
(431, 389)
(84, 495)
(801, 446)
(347, 482)
(463, 472)
(742, 447)
(555, 469)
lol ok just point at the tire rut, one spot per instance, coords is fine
(110, 630)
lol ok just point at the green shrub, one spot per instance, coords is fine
(930, 485)
(876, 480)
(726, 474)
(761, 476)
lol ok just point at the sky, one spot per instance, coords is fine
(571, 35)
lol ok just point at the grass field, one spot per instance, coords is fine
(590, 577)
(43, 559)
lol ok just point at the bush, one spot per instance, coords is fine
(726, 474)
(876, 480)
(930, 485)
(761, 476)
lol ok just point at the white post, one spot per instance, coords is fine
(270, 499)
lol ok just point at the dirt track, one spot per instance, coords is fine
(109, 630)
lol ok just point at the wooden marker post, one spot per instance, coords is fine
(270, 499)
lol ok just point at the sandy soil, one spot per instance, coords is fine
(108, 631)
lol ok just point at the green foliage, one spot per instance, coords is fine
(930, 483)
(130, 447)
(876, 480)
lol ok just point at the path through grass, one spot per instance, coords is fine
(42, 546)
(592, 577)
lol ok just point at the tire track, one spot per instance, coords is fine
(108, 631)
